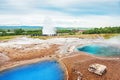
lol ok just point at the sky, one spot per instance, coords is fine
(65, 13)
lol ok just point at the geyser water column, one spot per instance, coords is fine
(48, 27)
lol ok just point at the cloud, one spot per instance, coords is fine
(61, 21)
(83, 13)
(63, 6)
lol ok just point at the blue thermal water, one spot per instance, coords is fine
(100, 50)
(46, 70)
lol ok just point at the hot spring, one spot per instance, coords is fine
(45, 70)
(101, 50)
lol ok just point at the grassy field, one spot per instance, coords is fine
(5, 38)
(107, 36)
(88, 36)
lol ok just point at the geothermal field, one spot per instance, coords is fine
(74, 55)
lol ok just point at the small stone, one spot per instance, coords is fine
(98, 69)
(79, 78)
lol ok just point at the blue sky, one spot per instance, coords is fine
(66, 13)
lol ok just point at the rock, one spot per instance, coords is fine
(98, 69)
(78, 74)
(79, 78)
(71, 49)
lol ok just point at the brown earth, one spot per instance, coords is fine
(81, 62)
(21, 54)
(76, 61)
(21, 57)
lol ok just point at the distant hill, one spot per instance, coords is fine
(72, 28)
(21, 27)
(39, 27)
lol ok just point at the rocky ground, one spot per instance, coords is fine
(26, 50)
(80, 62)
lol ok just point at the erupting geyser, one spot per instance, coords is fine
(48, 28)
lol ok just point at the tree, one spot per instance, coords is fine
(8, 30)
(18, 31)
(3, 33)
(103, 30)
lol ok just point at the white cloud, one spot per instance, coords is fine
(35, 16)
(68, 3)
(63, 20)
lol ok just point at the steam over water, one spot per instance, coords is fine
(110, 47)
(114, 40)
(68, 45)
(101, 50)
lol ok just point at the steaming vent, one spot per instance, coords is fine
(48, 28)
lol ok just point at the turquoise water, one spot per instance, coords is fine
(100, 50)
(46, 70)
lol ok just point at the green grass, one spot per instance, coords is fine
(5, 38)
(107, 36)
(91, 36)
(88, 36)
